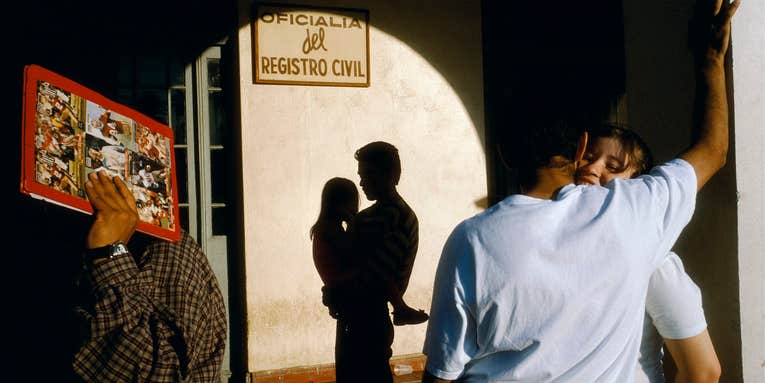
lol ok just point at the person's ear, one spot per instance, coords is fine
(581, 147)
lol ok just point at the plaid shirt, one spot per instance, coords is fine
(157, 318)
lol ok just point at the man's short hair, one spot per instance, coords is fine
(639, 156)
(383, 156)
(537, 144)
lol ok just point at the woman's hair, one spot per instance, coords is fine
(639, 156)
(337, 192)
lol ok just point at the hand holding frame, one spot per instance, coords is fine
(116, 214)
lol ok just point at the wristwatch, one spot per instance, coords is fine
(111, 251)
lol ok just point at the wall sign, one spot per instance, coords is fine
(305, 45)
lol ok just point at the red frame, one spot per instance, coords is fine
(29, 186)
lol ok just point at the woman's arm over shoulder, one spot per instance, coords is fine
(695, 358)
(675, 306)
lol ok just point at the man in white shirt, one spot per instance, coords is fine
(549, 285)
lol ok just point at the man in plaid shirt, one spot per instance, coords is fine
(153, 316)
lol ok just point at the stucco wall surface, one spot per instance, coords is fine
(426, 98)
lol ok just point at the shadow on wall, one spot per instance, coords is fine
(367, 265)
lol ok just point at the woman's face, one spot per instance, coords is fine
(345, 206)
(350, 208)
(604, 160)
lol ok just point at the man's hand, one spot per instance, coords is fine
(719, 34)
(115, 210)
(710, 149)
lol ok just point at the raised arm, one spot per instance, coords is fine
(675, 309)
(710, 148)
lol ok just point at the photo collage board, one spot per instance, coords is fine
(71, 132)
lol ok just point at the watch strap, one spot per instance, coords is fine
(109, 251)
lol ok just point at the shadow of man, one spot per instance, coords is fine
(384, 237)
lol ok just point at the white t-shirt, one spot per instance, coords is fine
(536, 290)
(673, 311)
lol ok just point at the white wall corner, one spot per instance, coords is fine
(748, 64)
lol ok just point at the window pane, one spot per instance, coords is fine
(217, 119)
(178, 115)
(181, 168)
(213, 73)
(219, 221)
(218, 177)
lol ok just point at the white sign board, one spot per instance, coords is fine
(307, 45)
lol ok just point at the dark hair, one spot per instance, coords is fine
(639, 157)
(535, 145)
(383, 156)
(336, 191)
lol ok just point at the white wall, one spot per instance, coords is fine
(749, 119)
(426, 98)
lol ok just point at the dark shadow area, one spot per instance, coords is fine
(543, 61)
(92, 43)
(236, 262)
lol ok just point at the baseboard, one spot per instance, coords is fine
(324, 373)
